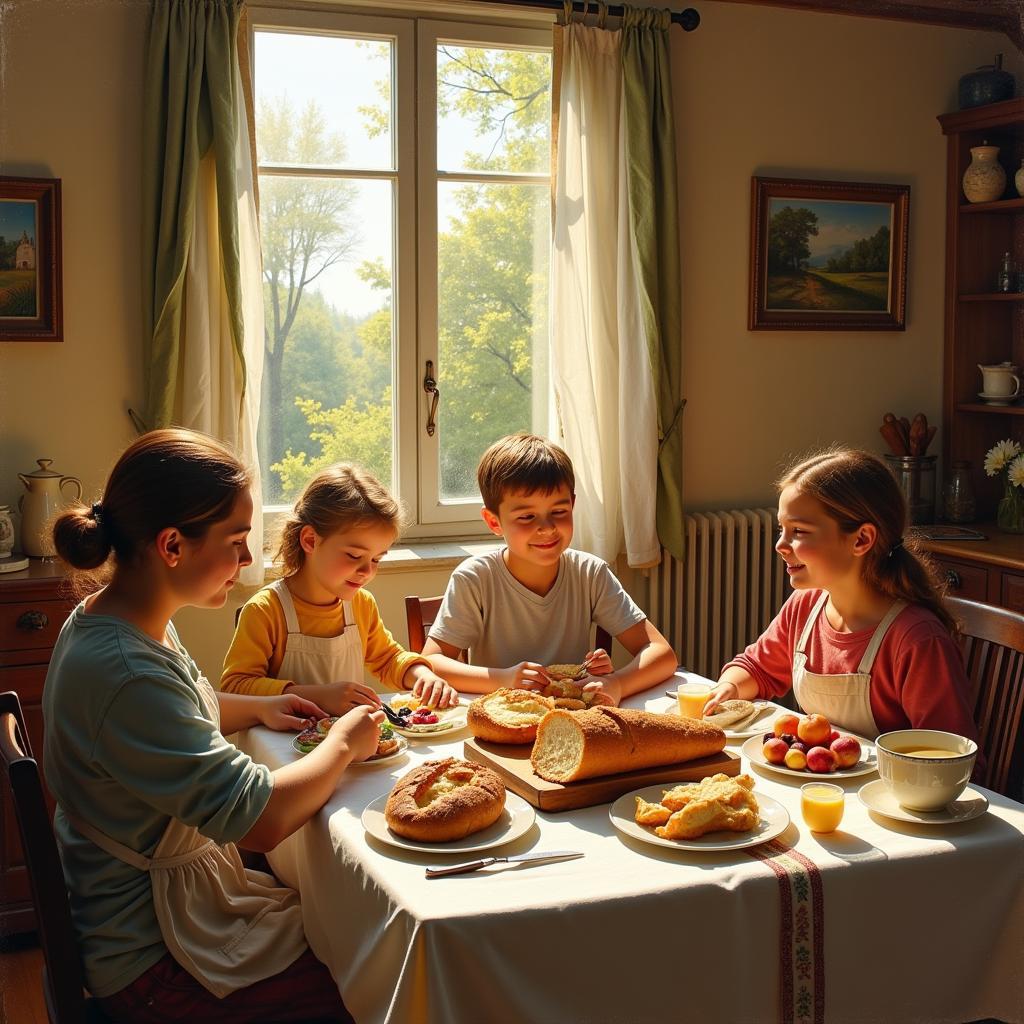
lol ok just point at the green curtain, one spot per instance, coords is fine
(190, 107)
(654, 224)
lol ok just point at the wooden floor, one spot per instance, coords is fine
(21, 993)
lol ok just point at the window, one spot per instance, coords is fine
(405, 221)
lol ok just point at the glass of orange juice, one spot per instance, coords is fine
(821, 804)
(692, 697)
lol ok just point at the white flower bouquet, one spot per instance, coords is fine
(1005, 459)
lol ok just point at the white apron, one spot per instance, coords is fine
(319, 659)
(228, 926)
(845, 698)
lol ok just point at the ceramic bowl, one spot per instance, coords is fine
(925, 783)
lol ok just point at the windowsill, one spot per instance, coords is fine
(423, 556)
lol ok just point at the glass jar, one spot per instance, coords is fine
(958, 504)
(1006, 280)
(1010, 513)
(916, 476)
(6, 532)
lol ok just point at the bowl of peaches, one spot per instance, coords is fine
(803, 745)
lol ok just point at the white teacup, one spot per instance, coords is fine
(926, 769)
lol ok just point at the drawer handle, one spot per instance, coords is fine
(953, 579)
(30, 621)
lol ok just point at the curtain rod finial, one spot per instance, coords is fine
(690, 19)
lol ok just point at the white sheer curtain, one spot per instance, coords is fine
(211, 397)
(600, 360)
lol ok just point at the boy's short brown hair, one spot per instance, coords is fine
(522, 462)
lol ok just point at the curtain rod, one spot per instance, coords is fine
(688, 19)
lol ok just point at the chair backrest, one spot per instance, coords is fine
(62, 978)
(420, 613)
(993, 645)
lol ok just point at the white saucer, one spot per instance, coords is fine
(998, 399)
(877, 796)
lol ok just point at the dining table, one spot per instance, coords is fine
(880, 920)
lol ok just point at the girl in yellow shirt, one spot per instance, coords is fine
(312, 631)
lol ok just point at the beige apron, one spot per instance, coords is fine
(319, 659)
(228, 926)
(845, 698)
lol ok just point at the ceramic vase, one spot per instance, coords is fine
(1010, 514)
(984, 180)
(1018, 180)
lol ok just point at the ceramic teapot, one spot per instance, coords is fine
(999, 381)
(38, 507)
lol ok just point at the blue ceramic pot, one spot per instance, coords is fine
(989, 84)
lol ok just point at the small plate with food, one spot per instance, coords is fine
(806, 746)
(718, 813)
(423, 721)
(389, 747)
(448, 806)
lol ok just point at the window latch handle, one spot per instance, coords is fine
(430, 387)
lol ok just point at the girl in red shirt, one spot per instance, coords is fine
(864, 639)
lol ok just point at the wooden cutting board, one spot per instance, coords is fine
(512, 763)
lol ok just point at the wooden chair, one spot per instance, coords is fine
(993, 644)
(63, 987)
(420, 613)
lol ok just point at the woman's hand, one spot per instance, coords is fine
(723, 691)
(432, 690)
(527, 675)
(288, 712)
(605, 689)
(598, 663)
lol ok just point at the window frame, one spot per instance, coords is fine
(415, 36)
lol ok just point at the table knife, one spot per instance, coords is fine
(519, 858)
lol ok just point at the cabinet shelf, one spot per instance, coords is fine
(1000, 410)
(998, 206)
(992, 297)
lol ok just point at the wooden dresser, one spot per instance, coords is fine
(33, 607)
(989, 570)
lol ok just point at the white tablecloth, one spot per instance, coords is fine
(921, 924)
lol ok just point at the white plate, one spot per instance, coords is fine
(451, 719)
(758, 727)
(751, 750)
(774, 821)
(514, 822)
(393, 756)
(877, 796)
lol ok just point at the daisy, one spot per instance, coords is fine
(999, 455)
(1016, 471)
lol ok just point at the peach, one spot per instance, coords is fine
(832, 737)
(814, 730)
(821, 760)
(785, 724)
(795, 759)
(775, 751)
(847, 751)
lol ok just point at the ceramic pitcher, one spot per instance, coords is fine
(999, 381)
(38, 507)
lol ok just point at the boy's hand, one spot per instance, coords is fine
(527, 675)
(605, 690)
(431, 689)
(339, 698)
(598, 663)
(288, 712)
(360, 731)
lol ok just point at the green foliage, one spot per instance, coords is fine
(788, 234)
(866, 254)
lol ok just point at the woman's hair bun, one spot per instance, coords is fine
(81, 540)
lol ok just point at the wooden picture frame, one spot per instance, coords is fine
(828, 255)
(31, 300)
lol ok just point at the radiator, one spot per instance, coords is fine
(728, 588)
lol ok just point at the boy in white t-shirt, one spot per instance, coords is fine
(534, 602)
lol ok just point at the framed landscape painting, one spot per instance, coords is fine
(828, 255)
(30, 260)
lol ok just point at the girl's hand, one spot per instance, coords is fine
(605, 690)
(288, 712)
(433, 691)
(598, 663)
(527, 675)
(340, 698)
(723, 691)
(359, 729)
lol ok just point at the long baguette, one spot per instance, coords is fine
(603, 741)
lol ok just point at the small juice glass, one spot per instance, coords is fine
(691, 698)
(821, 804)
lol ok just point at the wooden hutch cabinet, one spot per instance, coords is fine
(983, 325)
(33, 607)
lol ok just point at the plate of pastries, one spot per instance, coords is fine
(423, 721)
(448, 805)
(389, 746)
(720, 812)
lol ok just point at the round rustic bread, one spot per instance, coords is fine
(444, 800)
(508, 716)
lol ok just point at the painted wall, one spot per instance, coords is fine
(759, 91)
